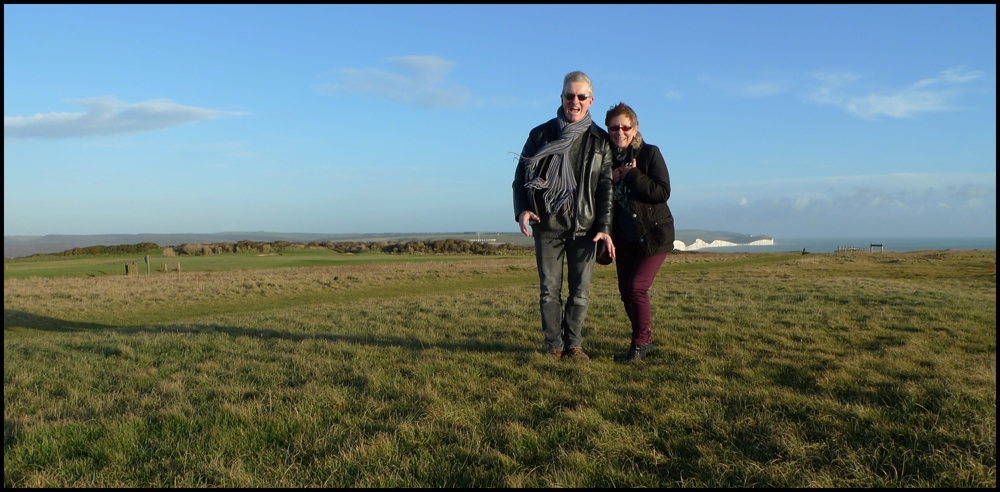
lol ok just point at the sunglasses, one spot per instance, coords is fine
(624, 128)
(569, 97)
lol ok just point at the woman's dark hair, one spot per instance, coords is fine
(621, 109)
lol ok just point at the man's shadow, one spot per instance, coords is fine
(22, 319)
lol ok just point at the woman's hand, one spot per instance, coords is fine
(619, 173)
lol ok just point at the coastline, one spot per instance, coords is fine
(830, 245)
(718, 243)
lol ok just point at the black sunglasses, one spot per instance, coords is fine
(569, 97)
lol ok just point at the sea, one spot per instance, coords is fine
(813, 245)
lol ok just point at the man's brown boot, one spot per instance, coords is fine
(576, 353)
(554, 354)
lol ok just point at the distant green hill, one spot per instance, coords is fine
(18, 246)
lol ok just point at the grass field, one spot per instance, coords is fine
(771, 370)
(98, 266)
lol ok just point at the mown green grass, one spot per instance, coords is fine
(772, 370)
(98, 266)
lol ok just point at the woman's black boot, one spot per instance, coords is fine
(637, 352)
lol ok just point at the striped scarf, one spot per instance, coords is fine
(559, 182)
(623, 157)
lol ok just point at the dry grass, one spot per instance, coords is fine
(125, 300)
(772, 370)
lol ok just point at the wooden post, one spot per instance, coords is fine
(147, 264)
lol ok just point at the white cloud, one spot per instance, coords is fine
(761, 89)
(107, 115)
(418, 80)
(921, 97)
(955, 75)
(970, 190)
(975, 203)
(900, 105)
(836, 79)
(915, 205)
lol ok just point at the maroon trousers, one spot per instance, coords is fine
(636, 272)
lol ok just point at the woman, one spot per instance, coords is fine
(642, 228)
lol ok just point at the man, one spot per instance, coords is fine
(563, 191)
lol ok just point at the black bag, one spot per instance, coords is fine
(603, 255)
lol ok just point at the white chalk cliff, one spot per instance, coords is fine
(699, 244)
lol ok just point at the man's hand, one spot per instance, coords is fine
(523, 221)
(607, 242)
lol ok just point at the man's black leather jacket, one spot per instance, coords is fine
(594, 188)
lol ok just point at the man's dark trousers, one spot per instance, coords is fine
(563, 327)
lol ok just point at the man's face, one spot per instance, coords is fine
(574, 108)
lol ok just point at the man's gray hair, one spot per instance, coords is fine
(577, 77)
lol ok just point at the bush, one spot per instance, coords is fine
(245, 245)
(190, 249)
(121, 249)
(169, 252)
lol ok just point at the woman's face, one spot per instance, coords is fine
(622, 131)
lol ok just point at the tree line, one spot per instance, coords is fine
(444, 246)
(120, 249)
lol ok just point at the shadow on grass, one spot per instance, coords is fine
(11, 433)
(21, 319)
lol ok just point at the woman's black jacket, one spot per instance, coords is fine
(648, 188)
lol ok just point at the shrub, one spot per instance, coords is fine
(169, 252)
(246, 245)
(121, 249)
(190, 249)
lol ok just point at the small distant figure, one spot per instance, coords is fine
(804, 252)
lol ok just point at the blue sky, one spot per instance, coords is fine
(791, 121)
